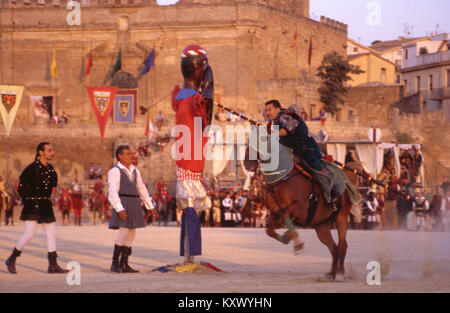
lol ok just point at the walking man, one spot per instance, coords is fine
(37, 183)
(126, 190)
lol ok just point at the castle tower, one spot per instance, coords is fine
(301, 8)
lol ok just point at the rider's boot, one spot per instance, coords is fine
(334, 193)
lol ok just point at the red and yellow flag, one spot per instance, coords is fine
(102, 99)
(10, 97)
(294, 40)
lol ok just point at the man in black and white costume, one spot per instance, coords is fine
(126, 190)
(37, 183)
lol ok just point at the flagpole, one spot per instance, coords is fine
(296, 64)
(7, 158)
(103, 159)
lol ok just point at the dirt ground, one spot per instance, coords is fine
(253, 262)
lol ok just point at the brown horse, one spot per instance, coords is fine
(288, 202)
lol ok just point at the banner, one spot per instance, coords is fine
(125, 106)
(42, 106)
(102, 99)
(10, 97)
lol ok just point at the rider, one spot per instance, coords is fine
(294, 134)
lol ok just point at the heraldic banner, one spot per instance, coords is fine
(102, 99)
(10, 97)
(42, 106)
(125, 105)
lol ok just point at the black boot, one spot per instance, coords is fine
(11, 261)
(53, 266)
(335, 198)
(115, 266)
(124, 261)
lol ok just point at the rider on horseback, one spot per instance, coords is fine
(294, 134)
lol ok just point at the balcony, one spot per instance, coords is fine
(437, 94)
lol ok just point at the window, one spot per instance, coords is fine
(418, 83)
(351, 115)
(405, 83)
(448, 78)
(355, 49)
(383, 74)
(338, 115)
(312, 110)
(406, 54)
(41, 2)
(397, 80)
(430, 82)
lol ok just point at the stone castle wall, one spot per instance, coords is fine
(249, 47)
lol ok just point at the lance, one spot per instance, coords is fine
(354, 171)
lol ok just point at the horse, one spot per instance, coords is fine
(288, 200)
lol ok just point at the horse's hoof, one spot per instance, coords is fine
(298, 248)
(339, 278)
(327, 278)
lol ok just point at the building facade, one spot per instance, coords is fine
(249, 44)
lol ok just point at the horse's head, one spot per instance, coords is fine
(275, 159)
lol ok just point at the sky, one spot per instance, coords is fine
(370, 20)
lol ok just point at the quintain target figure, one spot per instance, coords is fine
(193, 107)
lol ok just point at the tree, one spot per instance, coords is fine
(334, 71)
(423, 50)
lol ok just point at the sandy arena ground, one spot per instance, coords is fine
(255, 263)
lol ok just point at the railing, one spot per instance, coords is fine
(428, 59)
(437, 94)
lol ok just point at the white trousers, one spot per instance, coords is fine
(30, 229)
(126, 236)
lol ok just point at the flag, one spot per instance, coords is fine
(148, 63)
(125, 105)
(10, 97)
(310, 51)
(115, 68)
(42, 106)
(149, 130)
(48, 75)
(294, 40)
(89, 64)
(102, 99)
(82, 71)
(53, 71)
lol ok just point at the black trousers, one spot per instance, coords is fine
(402, 220)
(9, 214)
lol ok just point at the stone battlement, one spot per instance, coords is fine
(333, 23)
(23, 4)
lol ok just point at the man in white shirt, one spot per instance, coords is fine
(420, 207)
(125, 192)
